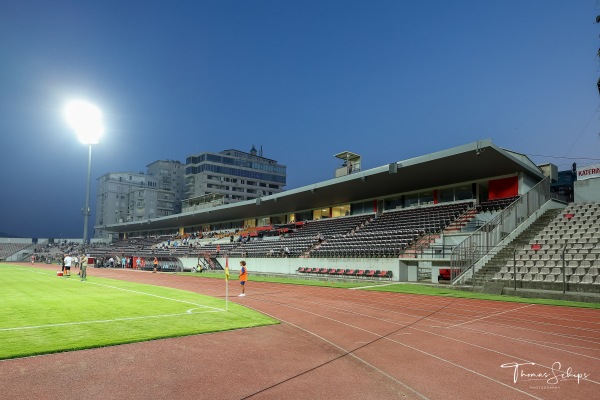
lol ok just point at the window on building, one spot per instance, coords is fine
(446, 195)
(321, 213)
(463, 192)
(411, 199)
(340, 211)
(426, 197)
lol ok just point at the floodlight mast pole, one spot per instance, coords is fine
(86, 210)
(86, 120)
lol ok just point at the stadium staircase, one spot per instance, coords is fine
(462, 221)
(499, 260)
(420, 245)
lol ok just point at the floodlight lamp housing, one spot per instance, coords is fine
(86, 120)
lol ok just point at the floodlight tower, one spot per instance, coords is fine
(86, 120)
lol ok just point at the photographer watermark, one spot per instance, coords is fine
(549, 376)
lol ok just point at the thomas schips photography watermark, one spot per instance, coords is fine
(542, 377)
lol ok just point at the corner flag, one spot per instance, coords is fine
(226, 283)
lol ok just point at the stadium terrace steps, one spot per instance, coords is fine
(462, 221)
(499, 260)
(567, 250)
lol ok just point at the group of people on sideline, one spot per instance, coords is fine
(75, 262)
(81, 262)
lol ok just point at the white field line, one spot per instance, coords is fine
(102, 321)
(126, 290)
(154, 295)
(214, 309)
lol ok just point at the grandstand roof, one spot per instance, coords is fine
(471, 162)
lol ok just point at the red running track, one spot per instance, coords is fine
(335, 344)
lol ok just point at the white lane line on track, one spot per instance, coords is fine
(544, 344)
(501, 325)
(498, 352)
(465, 328)
(490, 316)
(350, 352)
(347, 352)
(443, 336)
(528, 330)
(444, 324)
(372, 286)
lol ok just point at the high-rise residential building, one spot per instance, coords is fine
(232, 176)
(170, 177)
(128, 196)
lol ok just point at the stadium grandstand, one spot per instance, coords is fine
(472, 215)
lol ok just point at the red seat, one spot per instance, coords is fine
(382, 274)
(370, 273)
(331, 271)
(323, 271)
(350, 272)
(301, 270)
(360, 273)
(446, 273)
(340, 272)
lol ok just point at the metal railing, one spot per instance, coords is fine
(434, 251)
(483, 240)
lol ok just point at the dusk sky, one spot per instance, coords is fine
(305, 80)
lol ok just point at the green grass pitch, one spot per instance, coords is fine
(41, 313)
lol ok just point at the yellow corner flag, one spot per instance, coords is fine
(226, 268)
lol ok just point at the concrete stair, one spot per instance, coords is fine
(461, 221)
(499, 260)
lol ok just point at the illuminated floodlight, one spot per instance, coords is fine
(86, 120)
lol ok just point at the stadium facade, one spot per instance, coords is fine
(461, 179)
(477, 171)
(475, 213)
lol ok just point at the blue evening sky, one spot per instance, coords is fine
(388, 80)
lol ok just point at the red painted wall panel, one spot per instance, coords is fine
(502, 188)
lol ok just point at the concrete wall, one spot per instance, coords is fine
(587, 190)
(291, 265)
(403, 270)
(527, 183)
(16, 240)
